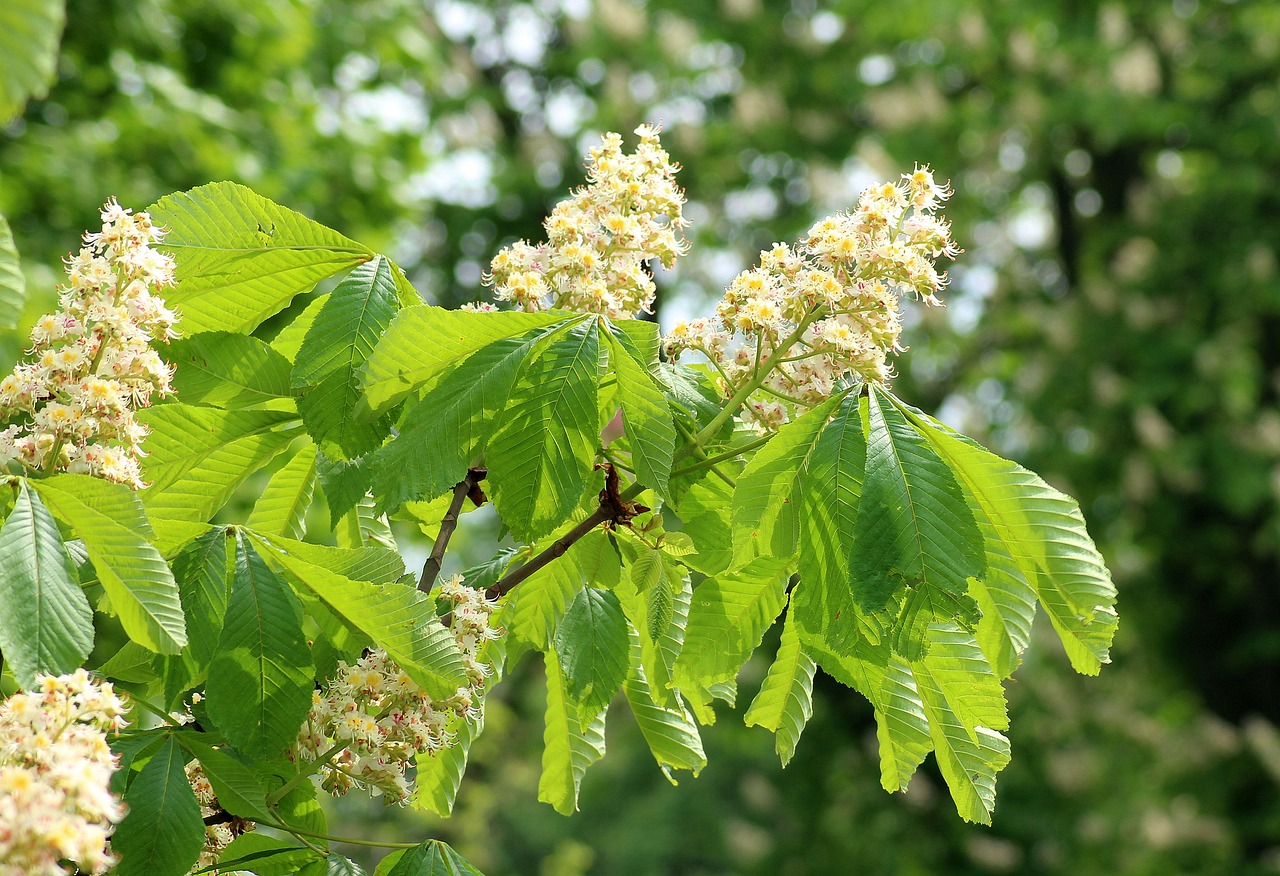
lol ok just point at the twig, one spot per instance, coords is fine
(615, 509)
(468, 486)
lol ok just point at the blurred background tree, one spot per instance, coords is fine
(1115, 324)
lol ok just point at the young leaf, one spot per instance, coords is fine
(670, 731)
(540, 457)
(398, 618)
(914, 536)
(1042, 531)
(46, 623)
(785, 701)
(423, 341)
(13, 283)
(591, 649)
(727, 620)
(337, 345)
(432, 858)
(163, 833)
(260, 679)
(649, 580)
(282, 507)
(109, 519)
(229, 370)
(29, 32)
(766, 502)
(569, 746)
(242, 258)
(651, 435)
(440, 773)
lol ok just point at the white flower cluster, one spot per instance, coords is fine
(600, 240)
(216, 836)
(71, 406)
(372, 718)
(55, 766)
(808, 319)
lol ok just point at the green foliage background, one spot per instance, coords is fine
(1115, 325)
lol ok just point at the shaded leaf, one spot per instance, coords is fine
(229, 370)
(591, 649)
(162, 834)
(569, 747)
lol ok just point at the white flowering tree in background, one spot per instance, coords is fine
(188, 684)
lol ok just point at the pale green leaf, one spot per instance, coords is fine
(649, 580)
(282, 507)
(261, 675)
(785, 701)
(440, 772)
(242, 258)
(424, 341)
(704, 514)
(531, 612)
(670, 731)
(229, 370)
(13, 284)
(289, 341)
(650, 432)
(46, 623)
(29, 34)
(569, 748)
(203, 573)
(162, 834)
(110, 520)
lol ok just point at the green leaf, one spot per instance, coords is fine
(46, 623)
(337, 345)
(654, 586)
(540, 457)
(344, 483)
(398, 618)
(13, 284)
(260, 679)
(670, 731)
(914, 537)
(336, 865)
(423, 341)
(440, 772)
(569, 747)
(109, 519)
(824, 608)
(234, 784)
(446, 431)
(727, 621)
(651, 435)
(203, 578)
(265, 856)
(591, 649)
(965, 706)
(785, 701)
(531, 612)
(162, 834)
(282, 507)
(1043, 533)
(432, 858)
(704, 513)
(29, 33)
(289, 341)
(242, 258)
(766, 502)
(229, 370)
(199, 456)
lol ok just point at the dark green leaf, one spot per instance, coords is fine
(432, 858)
(591, 646)
(236, 785)
(163, 833)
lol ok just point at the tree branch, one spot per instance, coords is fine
(468, 486)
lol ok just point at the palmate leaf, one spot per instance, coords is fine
(236, 785)
(398, 618)
(669, 730)
(423, 341)
(531, 612)
(651, 434)
(448, 429)
(242, 258)
(162, 834)
(591, 649)
(440, 773)
(785, 701)
(914, 536)
(432, 858)
(282, 507)
(29, 32)
(1043, 533)
(229, 370)
(540, 458)
(46, 623)
(727, 620)
(343, 336)
(13, 284)
(766, 502)
(569, 747)
(203, 571)
(110, 520)
(261, 675)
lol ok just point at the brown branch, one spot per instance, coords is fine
(614, 510)
(468, 486)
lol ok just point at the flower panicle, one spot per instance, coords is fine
(70, 406)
